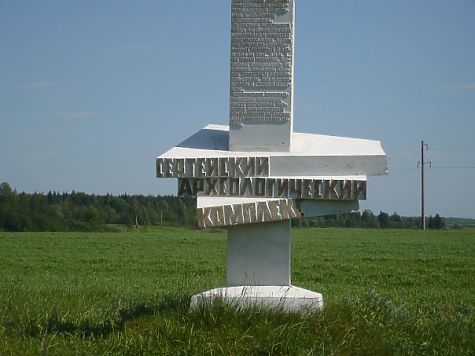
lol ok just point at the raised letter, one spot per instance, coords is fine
(234, 187)
(159, 168)
(233, 215)
(263, 212)
(330, 190)
(203, 217)
(212, 167)
(223, 186)
(238, 166)
(318, 192)
(262, 166)
(295, 188)
(198, 186)
(232, 168)
(274, 206)
(201, 167)
(184, 189)
(168, 172)
(217, 216)
(249, 212)
(179, 167)
(260, 187)
(190, 167)
(360, 189)
(270, 183)
(250, 169)
(247, 189)
(288, 209)
(307, 191)
(223, 171)
(283, 188)
(211, 186)
(345, 189)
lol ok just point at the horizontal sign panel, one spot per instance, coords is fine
(310, 154)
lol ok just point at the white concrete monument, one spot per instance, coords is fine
(255, 175)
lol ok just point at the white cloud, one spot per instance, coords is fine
(470, 86)
(36, 85)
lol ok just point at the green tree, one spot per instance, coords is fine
(369, 219)
(12, 222)
(383, 219)
(430, 222)
(5, 190)
(438, 223)
(395, 220)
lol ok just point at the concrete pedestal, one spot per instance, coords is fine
(258, 271)
(288, 298)
(259, 254)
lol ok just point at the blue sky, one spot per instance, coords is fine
(92, 91)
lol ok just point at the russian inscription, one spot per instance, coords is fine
(247, 213)
(213, 167)
(299, 188)
(261, 62)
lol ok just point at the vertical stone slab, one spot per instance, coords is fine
(262, 72)
(259, 255)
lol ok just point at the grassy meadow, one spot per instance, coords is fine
(385, 292)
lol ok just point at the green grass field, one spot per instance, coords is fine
(385, 292)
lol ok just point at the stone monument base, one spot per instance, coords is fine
(288, 298)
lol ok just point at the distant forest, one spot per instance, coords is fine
(89, 212)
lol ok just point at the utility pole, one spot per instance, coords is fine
(422, 164)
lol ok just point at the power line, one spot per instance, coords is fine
(422, 164)
(454, 167)
(454, 150)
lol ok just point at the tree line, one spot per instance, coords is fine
(89, 212)
(367, 219)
